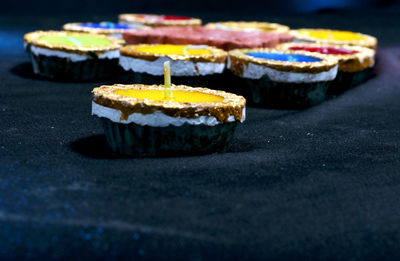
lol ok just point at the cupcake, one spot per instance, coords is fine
(281, 79)
(140, 120)
(250, 26)
(106, 28)
(326, 36)
(195, 65)
(157, 20)
(223, 39)
(72, 56)
(355, 62)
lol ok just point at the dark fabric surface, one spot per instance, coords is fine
(317, 184)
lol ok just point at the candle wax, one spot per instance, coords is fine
(178, 96)
(284, 57)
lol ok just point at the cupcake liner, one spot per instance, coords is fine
(64, 69)
(269, 94)
(212, 81)
(136, 140)
(346, 80)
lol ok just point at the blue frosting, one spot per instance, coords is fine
(284, 57)
(106, 25)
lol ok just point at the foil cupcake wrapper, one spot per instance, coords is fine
(269, 94)
(64, 69)
(212, 81)
(345, 80)
(146, 141)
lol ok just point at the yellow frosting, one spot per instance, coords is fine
(177, 95)
(331, 35)
(173, 49)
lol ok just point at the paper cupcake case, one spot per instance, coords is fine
(345, 80)
(146, 141)
(269, 94)
(64, 69)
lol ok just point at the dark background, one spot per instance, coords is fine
(117, 6)
(317, 184)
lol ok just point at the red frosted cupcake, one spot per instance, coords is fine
(157, 20)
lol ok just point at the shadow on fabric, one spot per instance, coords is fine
(96, 147)
(25, 70)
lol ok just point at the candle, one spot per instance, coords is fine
(167, 80)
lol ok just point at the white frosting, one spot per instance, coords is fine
(119, 36)
(157, 118)
(74, 57)
(131, 23)
(178, 67)
(255, 71)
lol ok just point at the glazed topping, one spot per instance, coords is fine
(163, 17)
(105, 25)
(178, 95)
(175, 17)
(248, 26)
(283, 57)
(76, 40)
(174, 49)
(323, 50)
(331, 35)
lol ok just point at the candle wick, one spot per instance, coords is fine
(167, 80)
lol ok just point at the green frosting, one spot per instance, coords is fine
(76, 40)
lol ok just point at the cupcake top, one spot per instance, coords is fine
(186, 102)
(101, 28)
(350, 58)
(223, 39)
(249, 26)
(282, 60)
(73, 41)
(335, 37)
(159, 20)
(195, 53)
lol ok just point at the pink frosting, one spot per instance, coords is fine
(226, 40)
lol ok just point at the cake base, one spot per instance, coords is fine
(346, 80)
(269, 94)
(212, 81)
(146, 141)
(64, 69)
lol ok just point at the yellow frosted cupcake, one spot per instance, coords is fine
(194, 65)
(154, 120)
(336, 37)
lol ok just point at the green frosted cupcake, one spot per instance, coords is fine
(72, 56)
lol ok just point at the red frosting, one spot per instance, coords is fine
(175, 17)
(224, 39)
(323, 50)
(163, 17)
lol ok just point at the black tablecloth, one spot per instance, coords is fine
(321, 183)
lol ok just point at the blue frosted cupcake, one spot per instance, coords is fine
(355, 62)
(106, 28)
(278, 78)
